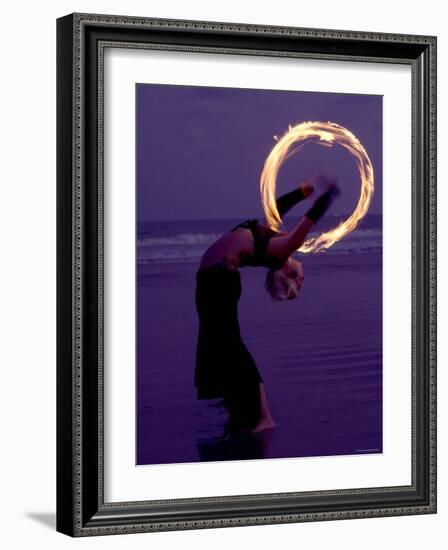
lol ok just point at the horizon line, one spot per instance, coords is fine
(342, 215)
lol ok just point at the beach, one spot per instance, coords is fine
(320, 355)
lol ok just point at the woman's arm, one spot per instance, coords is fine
(288, 200)
(284, 246)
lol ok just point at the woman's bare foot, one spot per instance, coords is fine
(265, 423)
(234, 426)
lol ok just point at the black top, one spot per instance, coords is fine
(261, 235)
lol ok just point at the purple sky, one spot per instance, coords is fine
(200, 150)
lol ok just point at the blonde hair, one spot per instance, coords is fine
(280, 287)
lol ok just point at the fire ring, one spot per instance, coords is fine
(326, 134)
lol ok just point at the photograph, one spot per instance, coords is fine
(259, 273)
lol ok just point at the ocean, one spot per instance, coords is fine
(184, 241)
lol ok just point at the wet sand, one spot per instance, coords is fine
(320, 357)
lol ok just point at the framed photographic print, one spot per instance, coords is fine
(246, 274)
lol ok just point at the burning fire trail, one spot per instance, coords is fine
(327, 134)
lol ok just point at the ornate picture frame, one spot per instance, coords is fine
(81, 507)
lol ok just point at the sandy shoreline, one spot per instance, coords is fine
(320, 357)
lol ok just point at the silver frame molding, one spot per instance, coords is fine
(81, 40)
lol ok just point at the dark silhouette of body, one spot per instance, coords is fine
(224, 366)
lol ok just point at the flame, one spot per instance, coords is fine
(327, 134)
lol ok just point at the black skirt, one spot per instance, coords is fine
(224, 366)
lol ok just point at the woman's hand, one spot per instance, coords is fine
(306, 187)
(324, 201)
(328, 182)
(332, 189)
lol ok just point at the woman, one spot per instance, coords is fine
(224, 366)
